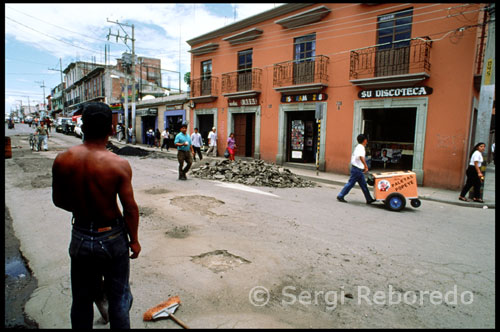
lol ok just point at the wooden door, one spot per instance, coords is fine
(240, 128)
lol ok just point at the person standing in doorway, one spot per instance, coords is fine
(165, 135)
(231, 146)
(184, 151)
(474, 174)
(197, 143)
(157, 138)
(87, 179)
(358, 167)
(150, 137)
(212, 142)
(129, 134)
(43, 135)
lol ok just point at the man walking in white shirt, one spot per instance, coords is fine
(197, 143)
(358, 167)
(212, 142)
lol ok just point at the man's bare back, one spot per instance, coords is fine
(88, 180)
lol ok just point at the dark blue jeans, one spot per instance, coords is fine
(356, 176)
(100, 262)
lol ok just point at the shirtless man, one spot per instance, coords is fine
(86, 181)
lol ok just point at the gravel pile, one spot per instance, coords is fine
(134, 151)
(255, 173)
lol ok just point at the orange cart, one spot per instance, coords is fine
(393, 188)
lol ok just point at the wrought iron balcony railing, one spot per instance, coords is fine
(404, 57)
(242, 80)
(304, 71)
(204, 87)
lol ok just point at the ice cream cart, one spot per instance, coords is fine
(393, 188)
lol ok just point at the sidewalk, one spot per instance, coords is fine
(424, 193)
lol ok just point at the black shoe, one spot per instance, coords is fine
(371, 201)
(341, 199)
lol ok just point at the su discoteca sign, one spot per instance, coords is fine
(243, 102)
(414, 91)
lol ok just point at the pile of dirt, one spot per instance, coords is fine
(134, 151)
(255, 173)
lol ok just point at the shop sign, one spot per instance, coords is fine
(396, 92)
(243, 102)
(306, 97)
(147, 112)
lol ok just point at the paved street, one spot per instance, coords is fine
(318, 262)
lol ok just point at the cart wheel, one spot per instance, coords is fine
(370, 180)
(415, 203)
(395, 202)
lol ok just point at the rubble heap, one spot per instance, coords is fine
(134, 151)
(255, 173)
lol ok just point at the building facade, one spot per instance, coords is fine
(298, 84)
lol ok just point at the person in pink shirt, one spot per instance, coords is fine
(231, 146)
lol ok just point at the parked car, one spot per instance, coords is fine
(78, 128)
(62, 125)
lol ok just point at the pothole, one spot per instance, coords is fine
(178, 232)
(145, 211)
(219, 260)
(156, 191)
(202, 203)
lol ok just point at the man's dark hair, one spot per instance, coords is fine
(361, 138)
(195, 128)
(96, 120)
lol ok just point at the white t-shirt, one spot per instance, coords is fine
(164, 134)
(196, 139)
(213, 138)
(359, 151)
(476, 156)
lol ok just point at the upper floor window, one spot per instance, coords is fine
(206, 70)
(305, 47)
(245, 60)
(394, 27)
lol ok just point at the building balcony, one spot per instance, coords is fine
(301, 76)
(386, 66)
(204, 90)
(242, 83)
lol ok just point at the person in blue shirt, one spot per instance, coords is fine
(184, 151)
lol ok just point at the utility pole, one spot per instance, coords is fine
(42, 86)
(21, 109)
(62, 83)
(487, 92)
(133, 71)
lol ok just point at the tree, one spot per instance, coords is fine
(187, 78)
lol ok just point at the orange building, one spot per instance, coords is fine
(298, 83)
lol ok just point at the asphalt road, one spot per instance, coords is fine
(241, 256)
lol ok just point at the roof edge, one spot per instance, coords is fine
(269, 14)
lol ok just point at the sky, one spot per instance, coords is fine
(38, 35)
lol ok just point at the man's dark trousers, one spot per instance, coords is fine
(184, 156)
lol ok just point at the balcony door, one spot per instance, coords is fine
(304, 53)
(245, 70)
(393, 56)
(206, 78)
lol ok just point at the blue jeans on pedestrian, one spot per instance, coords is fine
(356, 176)
(100, 261)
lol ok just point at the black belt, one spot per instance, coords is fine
(94, 226)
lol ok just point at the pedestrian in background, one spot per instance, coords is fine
(101, 234)
(197, 144)
(493, 151)
(474, 174)
(129, 140)
(165, 135)
(43, 136)
(157, 138)
(358, 167)
(150, 137)
(49, 124)
(119, 132)
(212, 142)
(184, 151)
(231, 146)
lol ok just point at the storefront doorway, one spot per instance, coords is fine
(302, 137)
(205, 125)
(148, 122)
(244, 134)
(391, 137)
